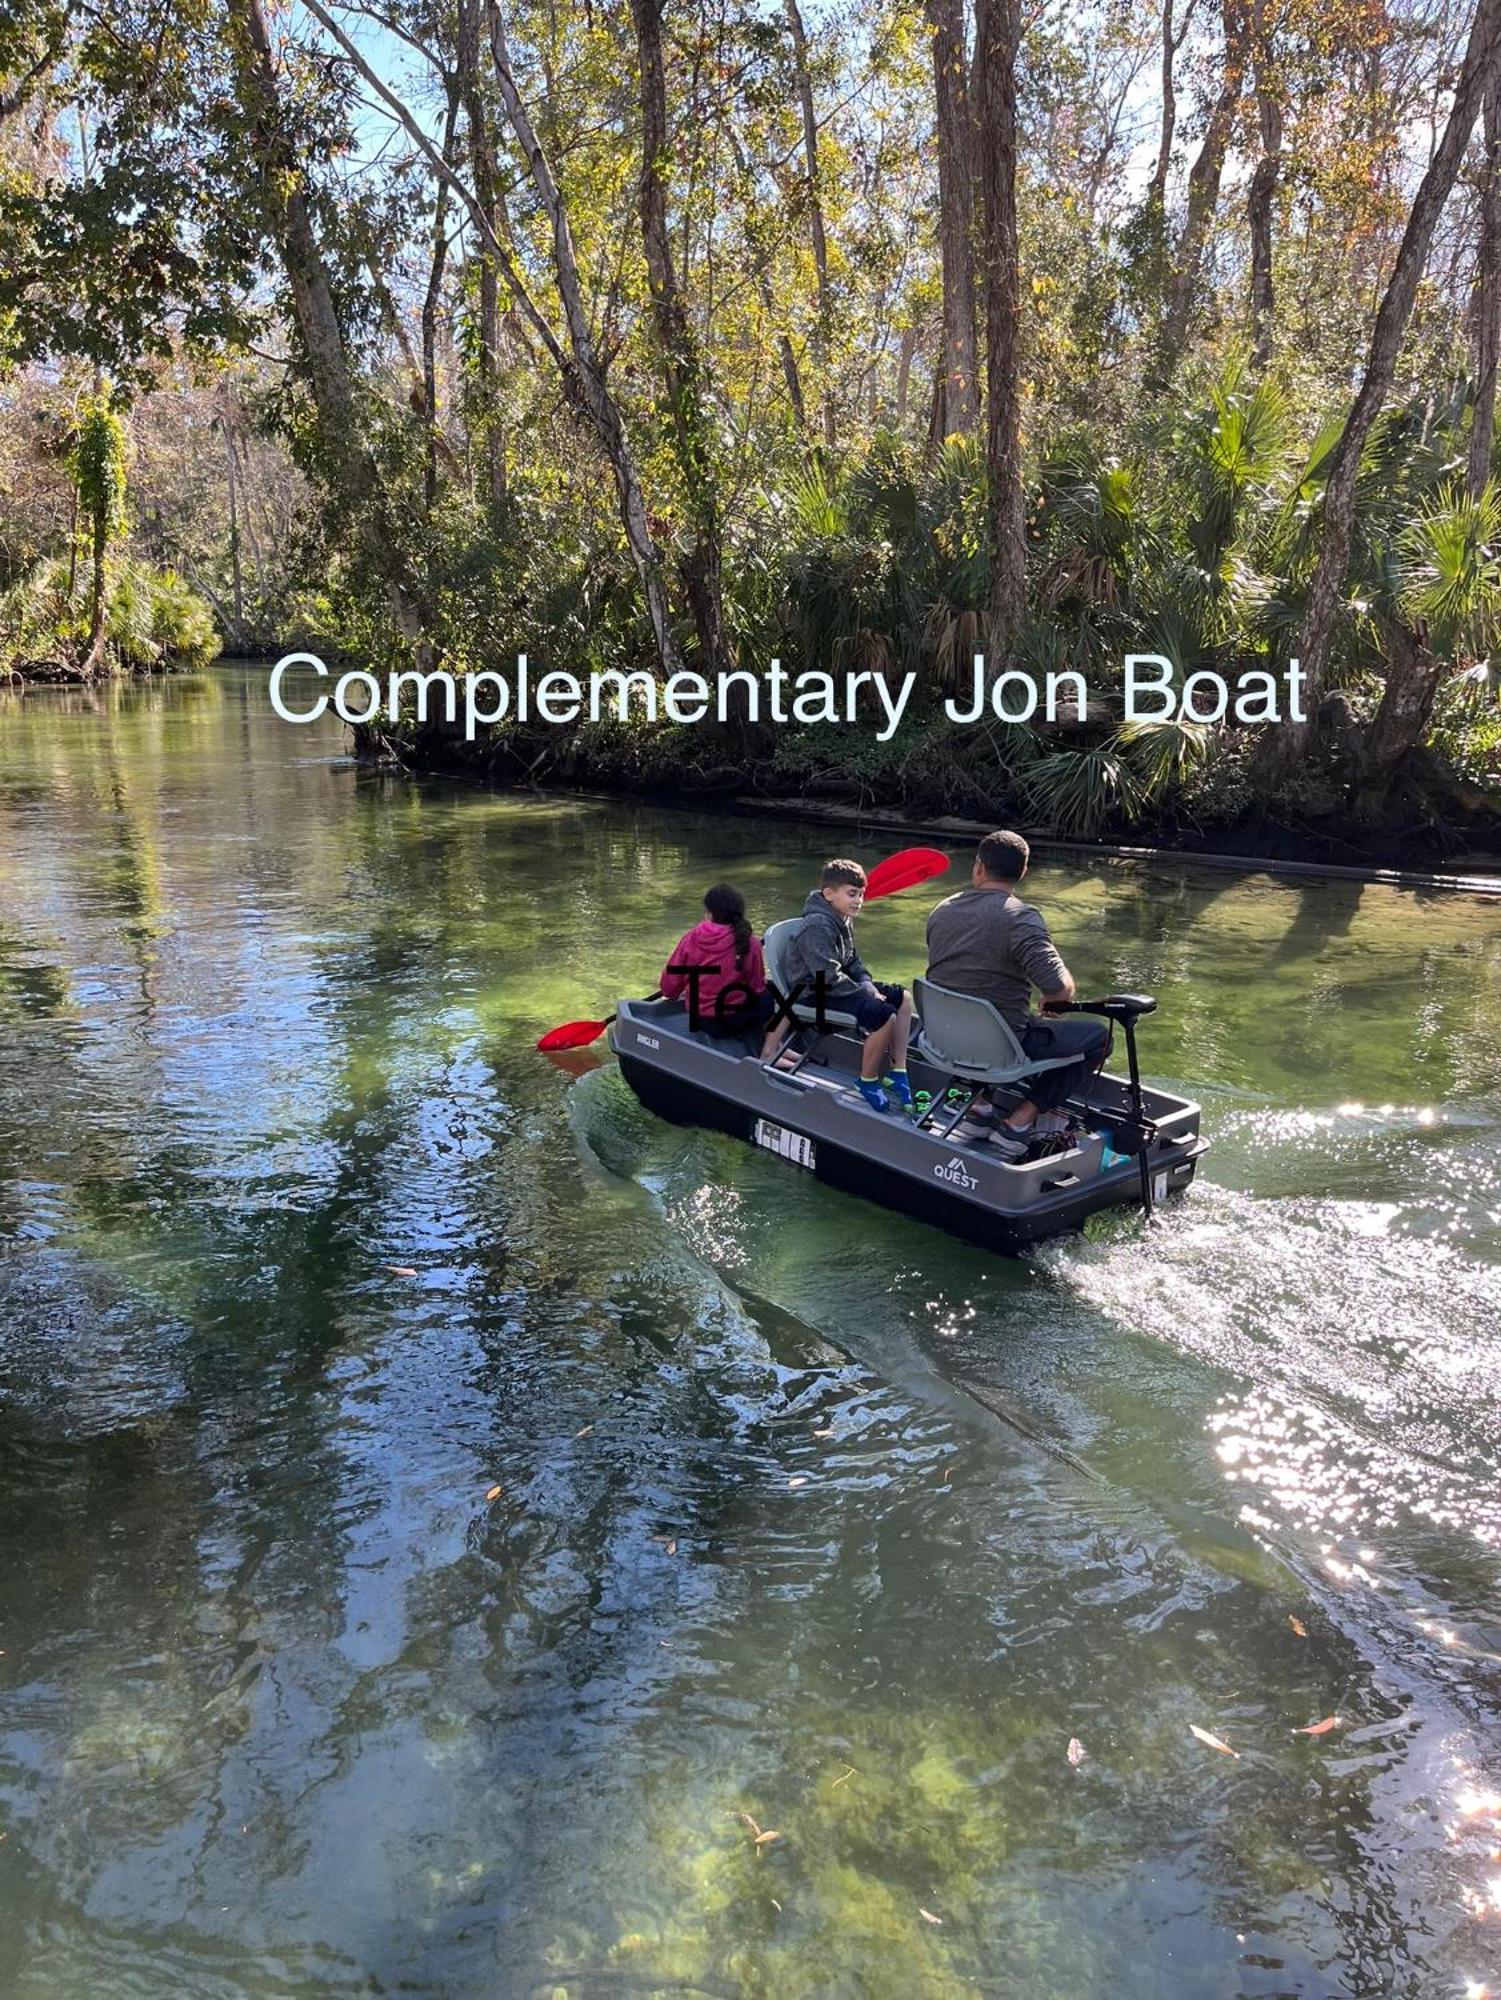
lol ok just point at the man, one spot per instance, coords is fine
(988, 942)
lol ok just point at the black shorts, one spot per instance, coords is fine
(872, 1010)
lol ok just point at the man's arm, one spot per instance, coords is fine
(1062, 995)
(1043, 965)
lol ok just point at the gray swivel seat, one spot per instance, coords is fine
(968, 1037)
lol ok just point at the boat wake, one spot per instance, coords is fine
(1365, 1434)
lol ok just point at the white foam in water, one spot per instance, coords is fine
(1372, 1360)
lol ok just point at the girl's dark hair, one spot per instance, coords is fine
(726, 905)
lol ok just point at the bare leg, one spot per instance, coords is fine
(873, 1055)
(901, 1028)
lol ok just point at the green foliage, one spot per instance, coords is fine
(152, 619)
(97, 461)
(1179, 517)
(1450, 557)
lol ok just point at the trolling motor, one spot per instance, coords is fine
(1139, 1134)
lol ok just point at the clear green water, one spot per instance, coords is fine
(810, 1517)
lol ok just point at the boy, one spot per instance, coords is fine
(824, 943)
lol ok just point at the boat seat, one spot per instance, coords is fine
(772, 948)
(968, 1037)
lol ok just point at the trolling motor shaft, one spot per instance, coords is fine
(1125, 1009)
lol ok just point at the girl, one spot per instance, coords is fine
(719, 967)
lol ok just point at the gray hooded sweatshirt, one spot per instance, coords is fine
(824, 942)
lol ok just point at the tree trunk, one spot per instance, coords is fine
(998, 33)
(232, 472)
(958, 368)
(824, 324)
(587, 380)
(1487, 299)
(1413, 674)
(354, 479)
(682, 360)
(482, 165)
(1263, 193)
(1479, 71)
(1204, 175)
(430, 311)
(905, 354)
(1157, 191)
(100, 542)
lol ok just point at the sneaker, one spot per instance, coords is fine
(968, 1133)
(1010, 1145)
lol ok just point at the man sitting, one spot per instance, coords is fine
(988, 942)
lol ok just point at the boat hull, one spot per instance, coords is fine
(819, 1124)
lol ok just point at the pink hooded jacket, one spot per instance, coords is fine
(713, 945)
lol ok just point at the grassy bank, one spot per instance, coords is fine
(1178, 786)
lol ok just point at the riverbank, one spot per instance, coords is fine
(1218, 822)
(23, 674)
(151, 622)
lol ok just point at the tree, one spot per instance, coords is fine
(97, 461)
(349, 470)
(482, 167)
(957, 397)
(1263, 189)
(1477, 74)
(685, 386)
(824, 320)
(1486, 298)
(1186, 276)
(998, 41)
(579, 365)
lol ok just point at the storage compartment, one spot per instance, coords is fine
(1032, 1178)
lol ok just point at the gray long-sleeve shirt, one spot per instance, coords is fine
(991, 943)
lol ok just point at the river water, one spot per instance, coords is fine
(818, 1535)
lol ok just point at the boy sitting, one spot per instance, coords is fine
(824, 942)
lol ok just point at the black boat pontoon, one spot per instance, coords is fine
(1137, 1145)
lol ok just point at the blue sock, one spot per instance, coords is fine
(903, 1089)
(875, 1097)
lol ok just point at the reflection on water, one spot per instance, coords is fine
(466, 1536)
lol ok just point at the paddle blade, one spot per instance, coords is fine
(573, 1035)
(904, 871)
(575, 1062)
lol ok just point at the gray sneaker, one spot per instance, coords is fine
(971, 1132)
(1010, 1145)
